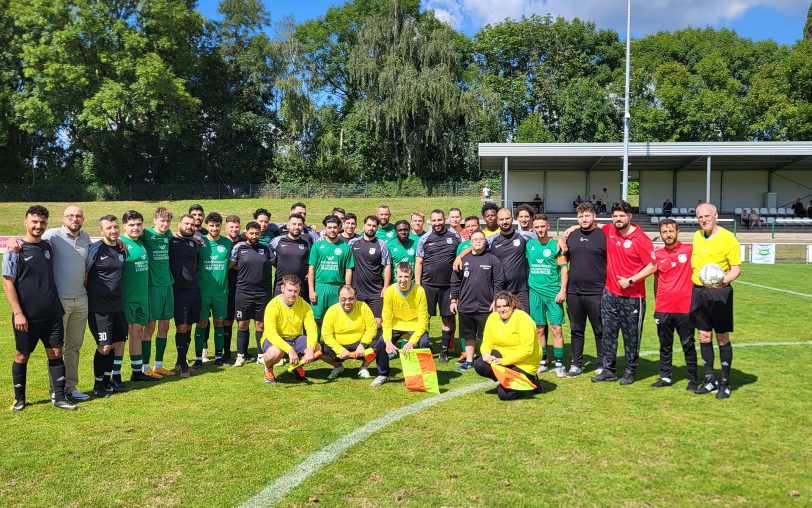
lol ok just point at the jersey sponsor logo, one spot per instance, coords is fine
(485, 267)
(583, 239)
(682, 258)
(47, 254)
(627, 244)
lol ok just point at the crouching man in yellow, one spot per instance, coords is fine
(349, 331)
(290, 329)
(509, 340)
(405, 314)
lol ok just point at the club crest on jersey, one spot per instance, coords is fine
(372, 250)
(517, 242)
(337, 251)
(682, 258)
(448, 241)
(627, 244)
(301, 247)
(261, 252)
(220, 248)
(390, 234)
(546, 252)
(47, 255)
(121, 257)
(410, 252)
(466, 273)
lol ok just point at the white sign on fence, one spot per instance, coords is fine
(809, 253)
(763, 254)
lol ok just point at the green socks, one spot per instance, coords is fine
(146, 348)
(558, 353)
(160, 348)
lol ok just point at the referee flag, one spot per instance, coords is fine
(419, 371)
(511, 379)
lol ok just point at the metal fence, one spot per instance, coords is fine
(75, 191)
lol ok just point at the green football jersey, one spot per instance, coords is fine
(544, 274)
(385, 234)
(402, 252)
(416, 237)
(331, 260)
(213, 266)
(157, 246)
(465, 244)
(136, 272)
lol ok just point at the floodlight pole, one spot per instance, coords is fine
(626, 115)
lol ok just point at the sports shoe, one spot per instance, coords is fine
(75, 394)
(260, 360)
(205, 355)
(378, 381)
(723, 392)
(335, 372)
(299, 372)
(154, 374)
(118, 386)
(108, 386)
(660, 383)
(140, 376)
(363, 373)
(163, 372)
(559, 371)
(543, 367)
(99, 391)
(269, 377)
(64, 404)
(443, 356)
(18, 405)
(627, 379)
(197, 365)
(465, 366)
(691, 387)
(709, 387)
(240, 361)
(218, 362)
(185, 374)
(575, 371)
(605, 375)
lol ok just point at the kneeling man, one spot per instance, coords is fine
(347, 331)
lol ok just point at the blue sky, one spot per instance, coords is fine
(780, 20)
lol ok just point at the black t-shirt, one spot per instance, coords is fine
(105, 275)
(586, 252)
(438, 252)
(253, 268)
(33, 271)
(183, 262)
(370, 258)
(474, 286)
(308, 235)
(291, 257)
(510, 249)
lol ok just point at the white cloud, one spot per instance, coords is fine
(648, 16)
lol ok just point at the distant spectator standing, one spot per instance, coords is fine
(798, 208)
(668, 206)
(809, 209)
(486, 193)
(538, 204)
(604, 201)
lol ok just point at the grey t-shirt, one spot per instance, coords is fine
(70, 255)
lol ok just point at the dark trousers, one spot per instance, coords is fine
(666, 325)
(579, 308)
(485, 370)
(382, 357)
(621, 313)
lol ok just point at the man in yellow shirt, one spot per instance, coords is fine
(712, 306)
(405, 315)
(347, 330)
(290, 329)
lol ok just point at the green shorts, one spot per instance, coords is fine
(216, 306)
(136, 313)
(544, 310)
(161, 303)
(327, 297)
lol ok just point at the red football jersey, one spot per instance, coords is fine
(625, 256)
(674, 284)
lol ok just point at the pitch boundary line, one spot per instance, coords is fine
(796, 293)
(314, 462)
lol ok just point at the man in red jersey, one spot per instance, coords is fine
(672, 289)
(629, 260)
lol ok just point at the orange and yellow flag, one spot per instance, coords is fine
(511, 379)
(419, 371)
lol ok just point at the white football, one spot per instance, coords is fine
(711, 274)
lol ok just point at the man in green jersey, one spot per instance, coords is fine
(547, 277)
(135, 293)
(213, 282)
(386, 230)
(330, 266)
(161, 297)
(404, 247)
(267, 231)
(418, 221)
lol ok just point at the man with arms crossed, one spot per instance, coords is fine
(672, 289)
(712, 307)
(183, 261)
(28, 281)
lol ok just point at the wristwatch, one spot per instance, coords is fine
(630, 281)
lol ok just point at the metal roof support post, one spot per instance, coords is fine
(505, 184)
(708, 181)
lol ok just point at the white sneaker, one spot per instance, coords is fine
(574, 371)
(560, 372)
(378, 381)
(363, 373)
(335, 372)
(543, 367)
(77, 395)
(240, 361)
(260, 360)
(205, 356)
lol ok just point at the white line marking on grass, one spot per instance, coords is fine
(796, 293)
(316, 461)
(749, 344)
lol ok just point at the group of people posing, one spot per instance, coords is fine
(339, 295)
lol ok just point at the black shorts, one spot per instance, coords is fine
(51, 332)
(232, 294)
(247, 307)
(375, 304)
(524, 298)
(712, 309)
(299, 344)
(472, 325)
(187, 306)
(107, 327)
(437, 295)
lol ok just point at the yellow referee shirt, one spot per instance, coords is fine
(283, 322)
(339, 328)
(405, 313)
(721, 248)
(515, 339)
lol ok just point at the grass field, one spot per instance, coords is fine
(221, 436)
